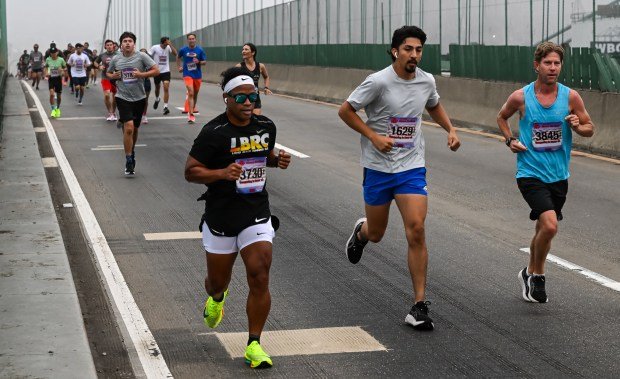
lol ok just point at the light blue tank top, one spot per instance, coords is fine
(547, 136)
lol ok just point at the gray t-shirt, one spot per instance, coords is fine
(394, 107)
(129, 87)
(104, 60)
(36, 60)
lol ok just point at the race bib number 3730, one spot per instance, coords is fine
(253, 175)
(402, 130)
(547, 136)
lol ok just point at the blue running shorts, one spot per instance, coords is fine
(380, 187)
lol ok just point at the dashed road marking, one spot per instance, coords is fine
(172, 236)
(49, 162)
(291, 151)
(348, 339)
(112, 147)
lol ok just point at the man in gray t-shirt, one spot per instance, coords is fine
(129, 70)
(393, 155)
(36, 66)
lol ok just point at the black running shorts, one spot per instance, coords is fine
(80, 80)
(542, 197)
(55, 83)
(130, 110)
(163, 77)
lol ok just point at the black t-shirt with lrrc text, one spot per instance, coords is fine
(232, 206)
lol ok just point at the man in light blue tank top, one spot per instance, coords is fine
(548, 113)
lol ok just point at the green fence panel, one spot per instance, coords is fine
(362, 56)
(583, 67)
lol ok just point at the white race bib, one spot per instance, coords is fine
(547, 136)
(128, 76)
(191, 66)
(253, 175)
(54, 72)
(163, 60)
(403, 130)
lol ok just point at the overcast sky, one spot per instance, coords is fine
(41, 21)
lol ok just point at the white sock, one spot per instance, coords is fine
(165, 105)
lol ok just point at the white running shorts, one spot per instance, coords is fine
(228, 245)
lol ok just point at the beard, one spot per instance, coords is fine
(410, 67)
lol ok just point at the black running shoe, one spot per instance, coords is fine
(156, 104)
(355, 247)
(525, 288)
(537, 292)
(129, 166)
(418, 316)
(166, 111)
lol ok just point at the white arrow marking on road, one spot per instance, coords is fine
(603, 280)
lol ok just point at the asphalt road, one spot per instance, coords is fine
(476, 225)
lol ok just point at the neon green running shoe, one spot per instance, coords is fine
(214, 311)
(53, 113)
(57, 112)
(256, 357)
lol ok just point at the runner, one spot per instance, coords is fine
(66, 54)
(393, 156)
(548, 111)
(89, 53)
(78, 62)
(237, 218)
(94, 70)
(129, 68)
(255, 70)
(192, 59)
(54, 67)
(109, 89)
(24, 61)
(147, 92)
(160, 54)
(36, 66)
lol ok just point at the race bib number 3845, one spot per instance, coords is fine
(547, 136)
(253, 175)
(402, 130)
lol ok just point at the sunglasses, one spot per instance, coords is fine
(241, 97)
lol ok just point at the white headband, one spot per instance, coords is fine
(237, 81)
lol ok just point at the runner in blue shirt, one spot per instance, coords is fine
(548, 111)
(192, 59)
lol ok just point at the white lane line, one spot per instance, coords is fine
(348, 339)
(291, 151)
(144, 353)
(112, 147)
(172, 236)
(600, 279)
(39, 129)
(49, 162)
(103, 118)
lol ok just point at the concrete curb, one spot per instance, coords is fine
(42, 332)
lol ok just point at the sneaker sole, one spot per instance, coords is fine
(346, 246)
(263, 364)
(419, 325)
(524, 290)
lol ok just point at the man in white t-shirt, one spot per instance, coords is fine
(161, 55)
(393, 155)
(79, 62)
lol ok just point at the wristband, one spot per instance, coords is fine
(509, 140)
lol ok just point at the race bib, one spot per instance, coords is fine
(547, 136)
(191, 66)
(127, 76)
(253, 175)
(163, 60)
(54, 72)
(403, 130)
(36, 58)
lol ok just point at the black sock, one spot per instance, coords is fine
(253, 338)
